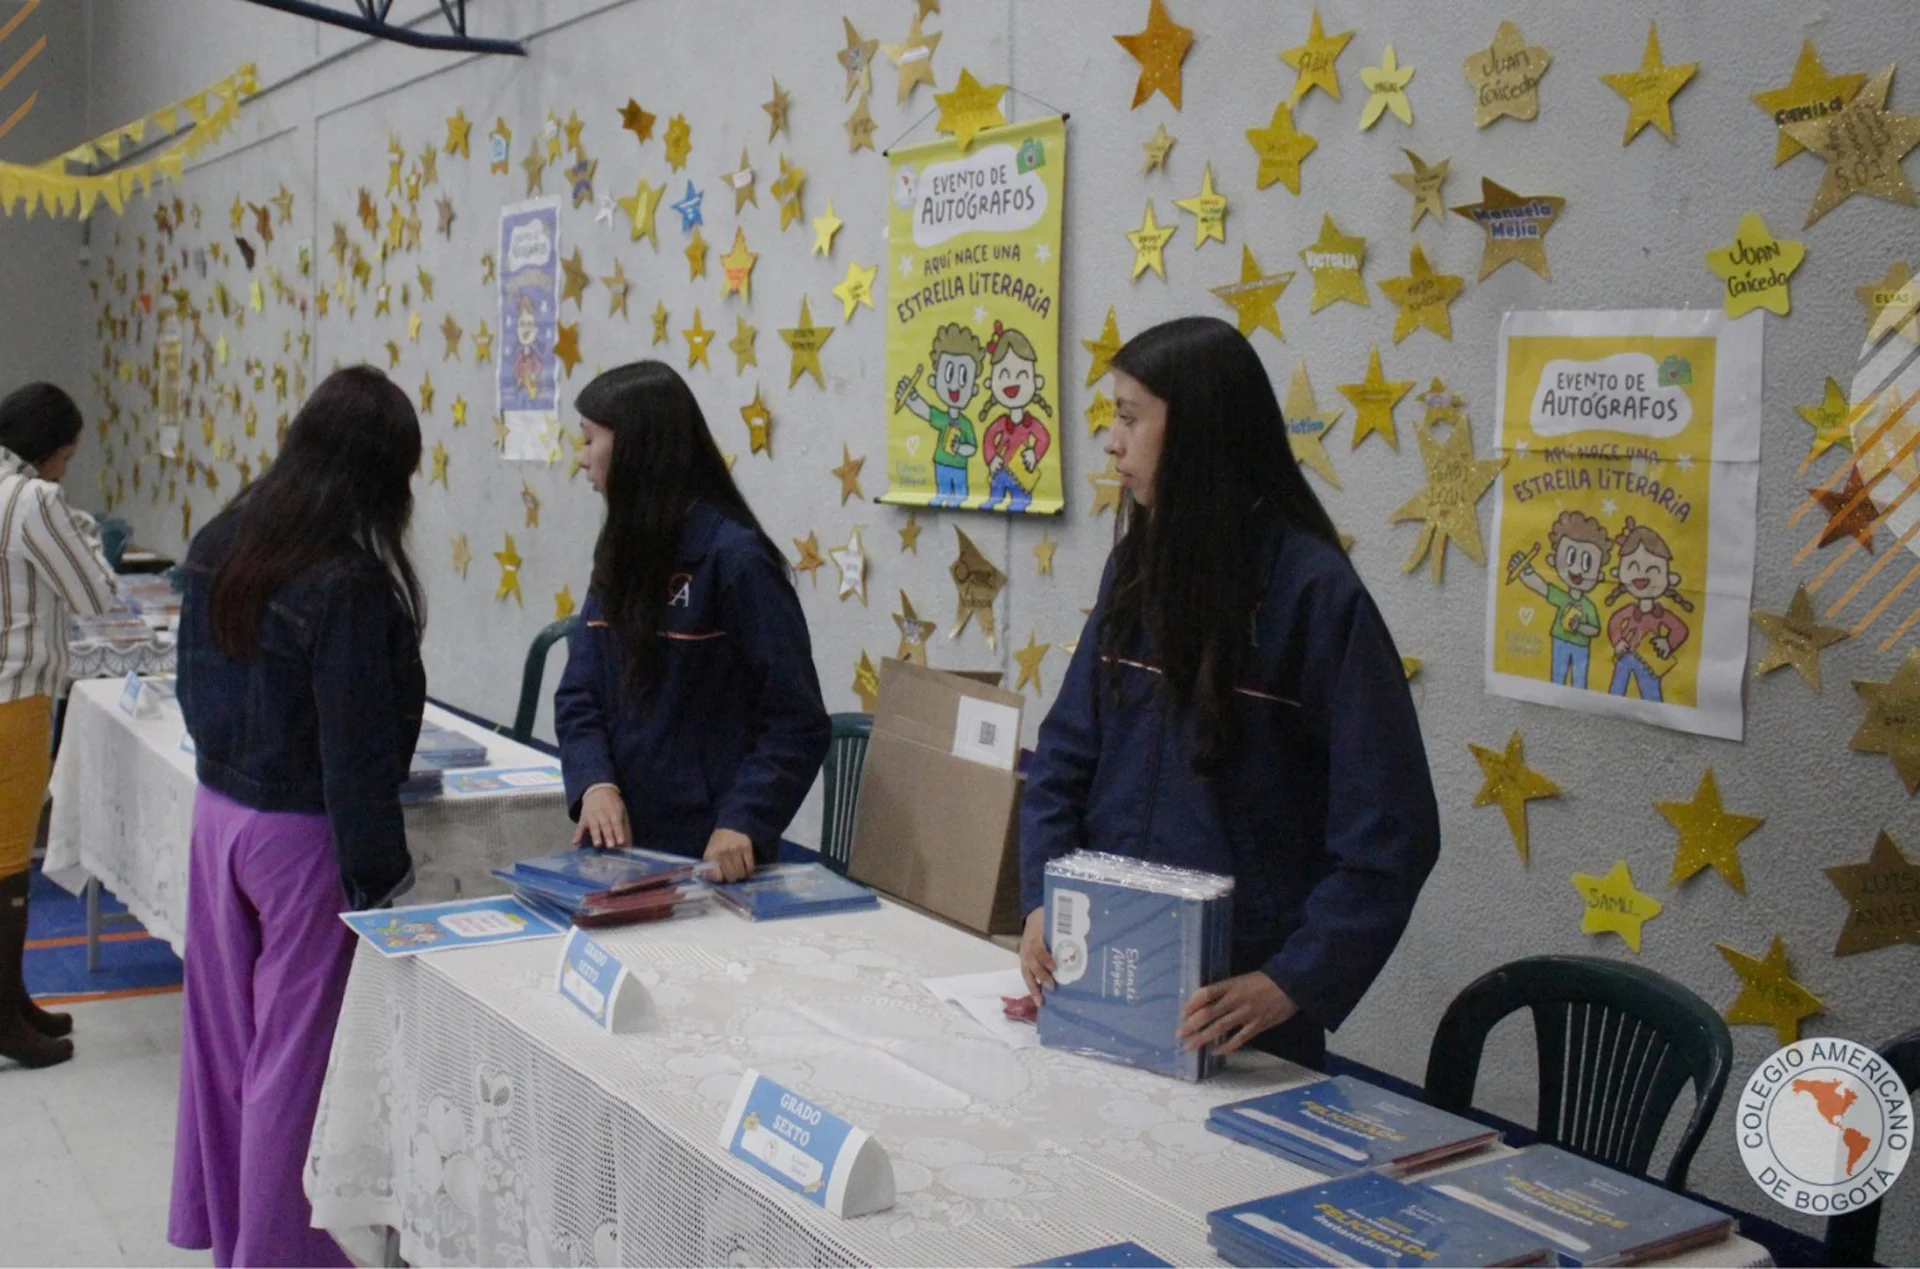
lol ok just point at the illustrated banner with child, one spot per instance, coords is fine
(526, 371)
(973, 322)
(1622, 569)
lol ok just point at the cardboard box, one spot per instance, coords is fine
(938, 824)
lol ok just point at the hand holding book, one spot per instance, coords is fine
(731, 855)
(1227, 1014)
(1036, 962)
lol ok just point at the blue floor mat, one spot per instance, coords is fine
(56, 914)
(136, 964)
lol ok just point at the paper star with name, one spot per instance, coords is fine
(856, 59)
(1107, 489)
(1335, 259)
(1710, 835)
(1796, 638)
(860, 127)
(1614, 905)
(848, 474)
(825, 228)
(1850, 511)
(913, 632)
(1831, 421)
(1149, 244)
(1029, 659)
(856, 289)
(451, 332)
(689, 208)
(759, 421)
(741, 346)
(1769, 997)
(510, 563)
(786, 191)
(566, 346)
(809, 562)
(969, 109)
(851, 562)
(1516, 226)
(976, 585)
(636, 121)
(459, 135)
(914, 58)
(1313, 61)
(1373, 400)
(1209, 211)
(1810, 94)
(696, 253)
(1509, 783)
(1649, 90)
(1863, 143)
(698, 337)
(1423, 296)
(1307, 427)
(462, 554)
(1425, 184)
(577, 279)
(618, 289)
(740, 181)
(805, 340)
(459, 411)
(1892, 303)
(1880, 897)
(1157, 146)
(1386, 86)
(1449, 505)
(777, 107)
(1756, 268)
(640, 208)
(1253, 297)
(679, 142)
(1506, 76)
(1280, 149)
(737, 267)
(1103, 348)
(1892, 725)
(910, 534)
(1160, 49)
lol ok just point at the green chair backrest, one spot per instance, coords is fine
(535, 671)
(846, 754)
(1615, 1044)
(1851, 1235)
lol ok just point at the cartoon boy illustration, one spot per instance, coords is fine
(1015, 442)
(1578, 546)
(1647, 574)
(957, 357)
(526, 361)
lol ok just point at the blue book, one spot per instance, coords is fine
(1116, 1256)
(793, 890)
(1589, 1213)
(1131, 942)
(605, 869)
(1345, 1125)
(440, 927)
(1368, 1219)
(445, 749)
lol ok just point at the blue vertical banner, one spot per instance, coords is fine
(527, 374)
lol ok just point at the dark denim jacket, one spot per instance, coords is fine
(323, 718)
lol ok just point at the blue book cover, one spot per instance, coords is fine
(1589, 1213)
(502, 780)
(791, 890)
(554, 891)
(605, 869)
(1116, 1256)
(1371, 1219)
(1344, 1125)
(443, 749)
(440, 927)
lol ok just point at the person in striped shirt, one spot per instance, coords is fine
(50, 567)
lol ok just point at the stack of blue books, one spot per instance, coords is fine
(1131, 942)
(438, 751)
(1588, 1213)
(563, 885)
(1344, 1125)
(1368, 1219)
(794, 890)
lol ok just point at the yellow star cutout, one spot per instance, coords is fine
(866, 683)
(563, 603)
(459, 130)
(1029, 658)
(1810, 94)
(1892, 725)
(1149, 244)
(451, 332)
(393, 355)
(1043, 553)
(740, 181)
(913, 632)
(1509, 783)
(1281, 149)
(1100, 412)
(426, 395)
(969, 109)
(1755, 267)
(741, 346)
(809, 562)
(1516, 226)
(856, 289)
(914, 59)
(1307, 427)
(1831, 421)
(696, 255)
(1335, 260)
(1506, 77)
(462, 555)
(1879, 895)
(860, 127)
(848, 474)
(1386, 86)
(636, 121)
(698, 337)
(1649, 91)
(825, 228)
(1710, 835)
(850, 561)
(535, 166)
(413, 327)
(640, 208)
(737, 267)
(857, 60)
(618, 289)
(439, 475)
(1157, 146)
(1107, 488)
(1252, 298)
(1209, 211)
(483, 343)
(679, 142)
(1160, 49)
(910, 534)
(1103, 348)
(510, 562)
(1796, 638)
(1891, 304)
(1313, 62)
(1863, 143)
(777, 107)
(1449, 505)
(1614, 906)
(1769, 997)
(786, 191)
(530, 503)
(459, 411)
(576, 279)
(1373, 399)
(805, 340)
(759, 421)
(1423, 296)
(660, 323)
(566, 346)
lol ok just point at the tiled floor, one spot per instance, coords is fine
(86, 1148)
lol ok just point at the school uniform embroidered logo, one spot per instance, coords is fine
(680, 591)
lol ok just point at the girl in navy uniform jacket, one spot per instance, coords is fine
(1235, 705)
(689, 707)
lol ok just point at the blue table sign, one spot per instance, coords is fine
(593, 980)
(806, 1148)
(135, 702)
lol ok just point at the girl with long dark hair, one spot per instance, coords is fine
(689, 715)
(301, 684)
(1236, 706)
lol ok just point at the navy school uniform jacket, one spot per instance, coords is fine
(733, 733)
(1325, 816)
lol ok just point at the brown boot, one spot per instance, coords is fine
(51, 1025)
(19, 1038)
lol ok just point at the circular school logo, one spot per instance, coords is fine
(1825, 1126)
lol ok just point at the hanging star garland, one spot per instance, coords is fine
(1449, 505)
(1160, 48)
(1710, 835)
(1509, 783)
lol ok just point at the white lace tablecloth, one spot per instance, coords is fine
(108, 659)
(467, 1107)
(123, 792)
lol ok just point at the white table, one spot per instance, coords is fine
(123, 791)
(468, 1108)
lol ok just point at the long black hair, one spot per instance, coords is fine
(664, 460)
(38, 421)
(1185, 567)
(343, 482)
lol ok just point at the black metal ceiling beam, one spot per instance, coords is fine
(372, 20)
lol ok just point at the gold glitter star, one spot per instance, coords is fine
(1710, 835)
(1509, 783)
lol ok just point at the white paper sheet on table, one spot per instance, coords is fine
(980, 995)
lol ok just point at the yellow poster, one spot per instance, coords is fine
(1624, 532)
(973, 329)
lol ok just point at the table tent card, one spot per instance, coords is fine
(592, 980)
(811, 1151)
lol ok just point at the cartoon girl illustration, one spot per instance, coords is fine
(1645, 573)
(527, 362)
(958, 357)
(1015, 442)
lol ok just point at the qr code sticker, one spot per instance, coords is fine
(989, 734)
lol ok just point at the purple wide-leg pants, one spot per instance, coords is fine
(266, 967)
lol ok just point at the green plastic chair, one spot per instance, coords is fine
(1851, 1236)
(846, 755)
(535, 671)
(1615, 1043)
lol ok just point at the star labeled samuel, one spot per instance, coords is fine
(1614, 905)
